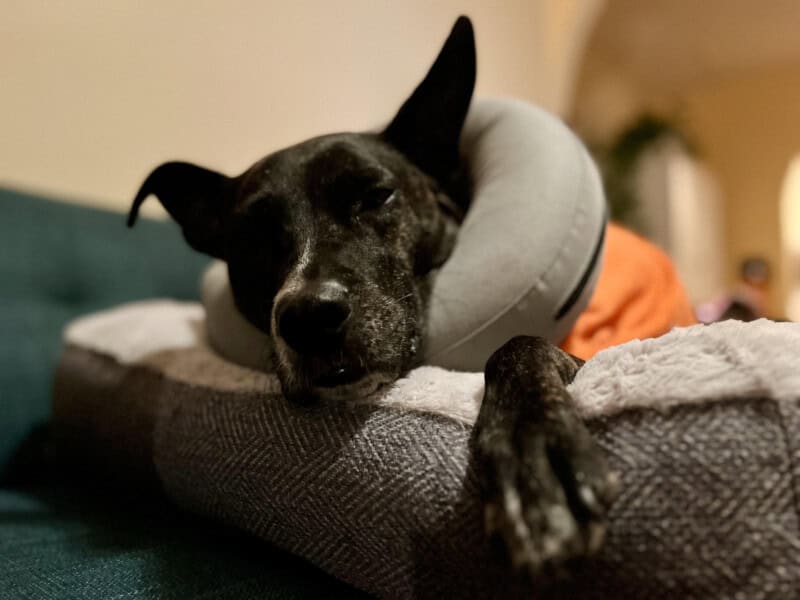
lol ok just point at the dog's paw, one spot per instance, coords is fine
(548, 490)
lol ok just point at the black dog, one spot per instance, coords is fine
(330, 245)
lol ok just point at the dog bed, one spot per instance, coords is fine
(703, 426)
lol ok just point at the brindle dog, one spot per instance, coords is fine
(331, 245)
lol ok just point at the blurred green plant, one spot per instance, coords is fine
(620, 160)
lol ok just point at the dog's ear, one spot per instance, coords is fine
(197, 198)
(428, 126)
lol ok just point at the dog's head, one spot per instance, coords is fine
(329, 243)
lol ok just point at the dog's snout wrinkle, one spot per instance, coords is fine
(313, 318)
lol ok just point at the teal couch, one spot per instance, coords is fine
(64, 535)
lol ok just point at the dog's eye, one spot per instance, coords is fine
(377, 197)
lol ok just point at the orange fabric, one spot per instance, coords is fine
(638, 295)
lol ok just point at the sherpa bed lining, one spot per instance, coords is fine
(688, 365)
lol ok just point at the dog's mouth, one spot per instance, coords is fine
(307, 381)
(353, 391)
(348, 374)
(339, 376)
(344, 382)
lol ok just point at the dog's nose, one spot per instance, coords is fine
(313, 318)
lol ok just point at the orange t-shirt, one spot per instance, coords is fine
(639, 295)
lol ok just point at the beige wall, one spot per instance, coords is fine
(96, 92)
(606, 98)
(748, 128)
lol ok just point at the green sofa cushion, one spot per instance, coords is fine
(61, 542)
(61, 260)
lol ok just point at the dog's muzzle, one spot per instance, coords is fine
(312, 321)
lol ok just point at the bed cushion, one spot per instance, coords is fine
(702, 426)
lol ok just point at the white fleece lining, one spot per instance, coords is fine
(689, 365)
(131, 332)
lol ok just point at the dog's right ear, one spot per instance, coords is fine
(197, 198)
(428, 126)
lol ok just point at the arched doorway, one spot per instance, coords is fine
(790, 237)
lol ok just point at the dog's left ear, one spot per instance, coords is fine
(197, 198)
(428, 126)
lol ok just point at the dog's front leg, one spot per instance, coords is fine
(546, 483)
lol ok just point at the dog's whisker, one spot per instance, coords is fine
(266, 357)
(401, 298)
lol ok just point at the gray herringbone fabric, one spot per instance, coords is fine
(387, 501)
